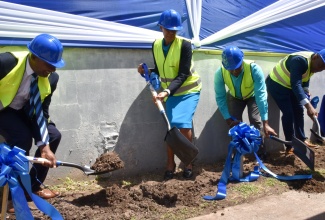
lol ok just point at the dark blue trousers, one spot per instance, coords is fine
(16, 129)
(292, 110)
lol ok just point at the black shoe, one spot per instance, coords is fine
(168, 175)
(187, 173)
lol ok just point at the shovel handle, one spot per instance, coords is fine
(5, 194)
(154, 94)
(317, 124)
(279, 140)
(37, 159)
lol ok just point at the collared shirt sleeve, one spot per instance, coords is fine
(297, 66)
(260, 90)
(221, 94)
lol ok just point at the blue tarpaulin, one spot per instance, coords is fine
(255, 25)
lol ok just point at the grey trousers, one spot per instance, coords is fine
(236, 108)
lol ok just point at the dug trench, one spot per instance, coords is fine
(149, 197)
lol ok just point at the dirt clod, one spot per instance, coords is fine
(107, 162)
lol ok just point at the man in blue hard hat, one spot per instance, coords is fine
(245, 81)
(288, 84)
(18, 120)
(179, 79)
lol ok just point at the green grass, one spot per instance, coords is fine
(246, 189)
(70, 185)
(271, 182)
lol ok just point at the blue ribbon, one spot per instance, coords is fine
(146, 72)
(14, 164)
(245, 139)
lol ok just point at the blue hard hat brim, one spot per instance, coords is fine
(233, 68)
(58, 64)
(174, 28)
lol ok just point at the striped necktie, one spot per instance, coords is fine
(35, 104)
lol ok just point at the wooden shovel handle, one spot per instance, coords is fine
(37, 159)
(5, 194)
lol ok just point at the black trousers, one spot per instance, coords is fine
(16, 128)
(292, 110)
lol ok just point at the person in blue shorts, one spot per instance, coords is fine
(180, 82)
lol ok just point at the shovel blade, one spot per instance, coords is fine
(304, 152)
(318, 137)
(185, 150)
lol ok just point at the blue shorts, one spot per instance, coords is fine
(180, 109)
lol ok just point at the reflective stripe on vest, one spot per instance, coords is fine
(247, 83)
(281, 75)
(9, 85)
(168, 68)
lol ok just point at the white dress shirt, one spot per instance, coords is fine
(22, 95)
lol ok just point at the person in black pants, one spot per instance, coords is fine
(17, 125)
(288, 84)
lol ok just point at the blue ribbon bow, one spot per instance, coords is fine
(245, 139)
(14, 165)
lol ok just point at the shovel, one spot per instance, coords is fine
(184, 149)
(318, 132)
(85, 169)
(300, 149)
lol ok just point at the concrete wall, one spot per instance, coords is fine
(102, 103)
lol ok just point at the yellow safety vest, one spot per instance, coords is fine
(247, 84)
(9, 85)
(168, 68)
(281, 75)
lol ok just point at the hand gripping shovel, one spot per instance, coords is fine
(85, 169)
(185, 150)
(300, 149)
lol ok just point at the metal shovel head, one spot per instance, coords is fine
(86, 169)
(303, 152)
(318, 137)
(185, 150)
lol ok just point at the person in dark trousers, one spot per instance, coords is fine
(179, 79)
(246, 83)
(288, 84)
(18, 115)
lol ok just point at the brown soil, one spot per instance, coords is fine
(149, 197)
(107, 162)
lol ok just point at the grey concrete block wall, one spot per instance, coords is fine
(102, 103)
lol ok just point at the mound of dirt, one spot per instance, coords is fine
(107, 162)
(149, 197)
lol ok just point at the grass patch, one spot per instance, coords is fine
(70, 185)
(272, 182)
(246, 189)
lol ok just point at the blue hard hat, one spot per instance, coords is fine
(48, 48)
(170, 20)
(232, 57)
